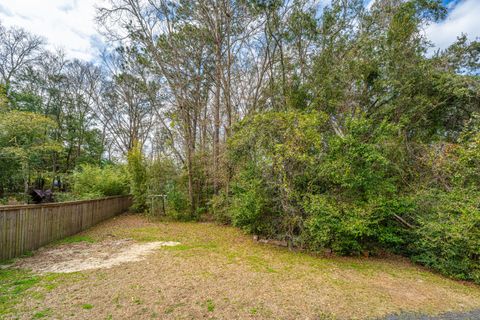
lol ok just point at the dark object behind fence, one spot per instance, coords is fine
(40, 196)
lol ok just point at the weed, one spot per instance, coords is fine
(210, 305)
(42, 314)
(87, 306)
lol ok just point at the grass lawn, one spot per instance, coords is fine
(218, 272)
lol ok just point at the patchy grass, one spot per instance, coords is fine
(17, 285)
(219, 272)
(13, 284)
(42, 314)
(74, 239)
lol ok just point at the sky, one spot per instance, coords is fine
(463, 17)
(65, 24)
(70, 25)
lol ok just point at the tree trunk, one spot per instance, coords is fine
(216, 113)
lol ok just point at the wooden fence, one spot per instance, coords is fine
(28, 227)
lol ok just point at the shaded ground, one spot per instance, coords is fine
(219, 273)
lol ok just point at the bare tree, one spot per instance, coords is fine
(125, 102)
(19, 49)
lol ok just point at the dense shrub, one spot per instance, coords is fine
(355, 206)
(252, 208)
(345, 190)
(164, 178)
(220, 208)
(447, 221)
(298, 181)
(274, 154)
(448, 232)
(92, 182)
(353, 228)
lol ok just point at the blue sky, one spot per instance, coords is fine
(69, 24)
(463, 16)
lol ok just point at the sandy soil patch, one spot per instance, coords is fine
(86, 256)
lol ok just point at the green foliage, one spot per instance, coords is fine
(137, 173)
(466, 156)
(323, 189)
(252, 206)
(177, 202)
(3, 99)
(272, 153)
(360, 161)
(354, 204)
(220, 208)
(448, 232)
(164, 178)
(354, 228)
(26, 101)
(26, 144)
(26, 135)
(66, 196)
(345, 190)
(93, 182)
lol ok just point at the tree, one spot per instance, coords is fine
(19, 50)
(126, 100)
(26, 138)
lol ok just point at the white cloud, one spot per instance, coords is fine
(65, 24)
(463, 17)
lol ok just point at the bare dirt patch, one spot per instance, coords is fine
(83, 256)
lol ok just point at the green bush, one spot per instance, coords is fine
(297, 181)
(67, 196)
(164, 178)
(353, 228)
(177, 202)
(220, 206)
(93, 182)
(137, 174)
(346, 190)
(358, 209)
(448, 232)
(252, 206)
(274, 155)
